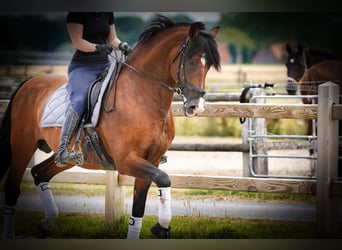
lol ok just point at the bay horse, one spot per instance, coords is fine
(300, 59)
(168, 58)
(324, 71)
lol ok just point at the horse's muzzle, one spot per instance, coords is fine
(291, 86)
(194, 107)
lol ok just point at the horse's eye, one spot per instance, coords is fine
(192, 62)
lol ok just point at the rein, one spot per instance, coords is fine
(163, 84)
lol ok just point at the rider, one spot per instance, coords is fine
(93, 35)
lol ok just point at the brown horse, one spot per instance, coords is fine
(299, 59)
(169, 58)
(324, 71)
(299, 63)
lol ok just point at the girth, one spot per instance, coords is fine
(94, 142)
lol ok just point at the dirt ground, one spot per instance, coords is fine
(224, 163)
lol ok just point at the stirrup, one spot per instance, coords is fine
(73, 158)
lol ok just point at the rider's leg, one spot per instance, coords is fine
(64, 156)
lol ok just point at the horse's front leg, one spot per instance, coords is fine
(141, 187)
(145, 172)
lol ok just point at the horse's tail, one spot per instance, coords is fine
(5, 138)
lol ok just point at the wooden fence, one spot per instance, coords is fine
(327, 188)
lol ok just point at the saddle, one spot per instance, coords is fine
(92, 139)
(54, 114)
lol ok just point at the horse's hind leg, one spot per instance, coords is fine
(45, 193)
(42, 174)
(11, 187)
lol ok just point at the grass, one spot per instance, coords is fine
(92, 226)
(231, 126)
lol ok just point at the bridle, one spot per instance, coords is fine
(180, 85)
(305, 64)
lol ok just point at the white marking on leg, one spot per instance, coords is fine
(164, 210)
(134, 227)
(49, 203)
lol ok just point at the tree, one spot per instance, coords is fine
(315, 30)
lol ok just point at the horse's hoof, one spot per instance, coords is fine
(43, 230)
(158, 232)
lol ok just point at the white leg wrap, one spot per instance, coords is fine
(9, 223)
(134, 228)
(164, 209)
(50, 207)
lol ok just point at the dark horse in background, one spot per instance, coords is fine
(303, 76)
(168, 58)
(324, 71)
(299, 59)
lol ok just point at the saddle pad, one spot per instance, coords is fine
(55, 110)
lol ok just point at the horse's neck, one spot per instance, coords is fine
(316, 56)
(155, 67)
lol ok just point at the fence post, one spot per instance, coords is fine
(246, 172)
(114, 198)
(327, 159)
(260, 164)
(258, 127)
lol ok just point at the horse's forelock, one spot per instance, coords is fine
(205, 43)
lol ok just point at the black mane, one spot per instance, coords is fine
(158, 24)
(204, 44)
(314, 56)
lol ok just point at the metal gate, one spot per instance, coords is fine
(259, 141)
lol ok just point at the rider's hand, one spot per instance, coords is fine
(103, 48)
(123, 46)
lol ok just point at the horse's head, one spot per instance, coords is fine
(196, 55)
(183, 55)
(296, 65)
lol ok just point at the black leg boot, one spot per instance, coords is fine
(64, 157)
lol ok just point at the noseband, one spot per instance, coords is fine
(180, 85)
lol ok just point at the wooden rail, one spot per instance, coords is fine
(251, 110)
(249, 184)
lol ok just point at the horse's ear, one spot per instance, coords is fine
(195, 29)
(288, 48)
(300, 48)
(214, 31)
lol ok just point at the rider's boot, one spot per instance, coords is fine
(64, 157)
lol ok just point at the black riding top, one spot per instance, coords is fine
(95, 30)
